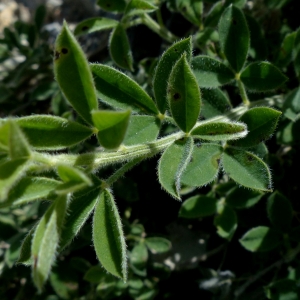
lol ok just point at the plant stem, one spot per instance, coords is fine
(101, 159)
(243, 92)
(161, 31)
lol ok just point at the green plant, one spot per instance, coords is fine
(186, 118)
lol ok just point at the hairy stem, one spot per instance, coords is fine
(243, 92)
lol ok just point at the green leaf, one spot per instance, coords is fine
(95, 274)
(261, 123)
(220, 131)
(262, 77)
(71, 174)
(52, 133)
(291, 105)
(210, 72)
(184, 95)
(226, 222)
(197, 207)
(213, 16)
(158, 244)
(10, 173)
(73, 75)
(25, 252)
(289, 133)
(112, 126)
(4, 136)
(243, 198)
(260, 239)
(213, 103)
(204, 165)
(141, 129)
(119, 48)
(30, 189)
(18, 145)
(46, 239)
(192, 10)
(80, 208)
(280, 211)
(172, 165)
(258, 46)
(120, 91)
(234, 37)
(285, 55)
(108, 237)
(284, 289)
(247, 169)
(138, 258)
(137, 7)
(94, 24)
(114, 6)
(164, 68)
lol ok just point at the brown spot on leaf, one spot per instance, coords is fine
(84, 28)
(234, 22)
(64, 50)
(176, 96)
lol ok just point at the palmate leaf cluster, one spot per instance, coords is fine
(196, 111)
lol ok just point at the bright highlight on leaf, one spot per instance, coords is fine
(184, 95)
(164, 68)
(73, 74)
(109, 241)
(112, 127)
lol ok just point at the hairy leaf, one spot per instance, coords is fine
(80, 208)
(108, 237)
(213, 103)
(141, 129)
(246, 169)
(262, 77)
(204, 165)
(30, 189)
(261, 123)
(164, 68)
(119, 48)
(46, 239)
(210, 72)
(73, 74)
(234, 37)
(117, 89)
(45, 132)
(184, 95)
(172, 165)
(137, 7)
(94, 24)
(220, 131)
(112, 126)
